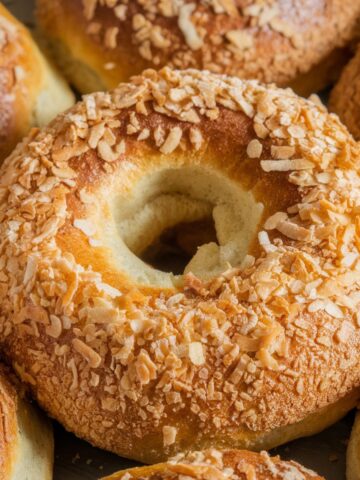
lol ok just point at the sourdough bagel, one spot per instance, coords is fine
(353, 452)
(222, 465)
(258, 341)
(297, 43)
(31, 92)
(345, 97)
(26, 442)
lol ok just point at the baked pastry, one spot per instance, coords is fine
(353, 452)
(258, 341)
(222, 465)
(31, 92)
(345, 97)
(295, 43)
(26, 441)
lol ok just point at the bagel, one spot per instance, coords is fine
(26, 442)
(345, 96)
(353, 452)
(258, 341)
(31, 92)
(293, 43)
(237, 464)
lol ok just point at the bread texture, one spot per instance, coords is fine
(294, 43)
(31, 91)
(345, 97)
(257, 342)
(353, 452)
(226, 464)
(26, 441)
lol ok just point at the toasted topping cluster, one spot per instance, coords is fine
(256, 39)
(222, 465)
(229, 352)
(192, 22)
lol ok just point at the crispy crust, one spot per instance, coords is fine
(244, 359)
(24, 77)
(353, 452)
(220, 465)
(297, 43)
(26, 443)
(345, 97)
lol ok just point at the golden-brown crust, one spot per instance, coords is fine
(220, 465)
(345, 97)
(275, 41)
(19, 80)
(24, 76)
(147, 371)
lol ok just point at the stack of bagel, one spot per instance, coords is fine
(180, 249)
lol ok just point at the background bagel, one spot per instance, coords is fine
(220, 464)
(26, 442)
(345, 97)
(353, 452)
(146, 363)
(31, 91)
(296, 43)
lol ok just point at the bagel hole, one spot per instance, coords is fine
(176, 246)
(156, 216)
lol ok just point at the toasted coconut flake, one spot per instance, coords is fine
(254, 149)
(286, 165)
(169, 435)
(332, 309)
(108, 289)
(267, 359)
(55, 328)
(196, 353)
(66, 153)
(296, 131)
(172, 141)
(282, 151)
(345, 332)
(293, 231)
(273, 221)
(92, 357)
(188, 29)
(316, 305)
(96, 134)
(110, 39)
(247, 344)
(120, 12)
(106, 152)
(196, 138)
(264, 238)
(31, 268)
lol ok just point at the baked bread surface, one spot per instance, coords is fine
(31, 91)
(257, 342)
(290, 42)
(235, 464)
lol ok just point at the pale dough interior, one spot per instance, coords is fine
(171, 196)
